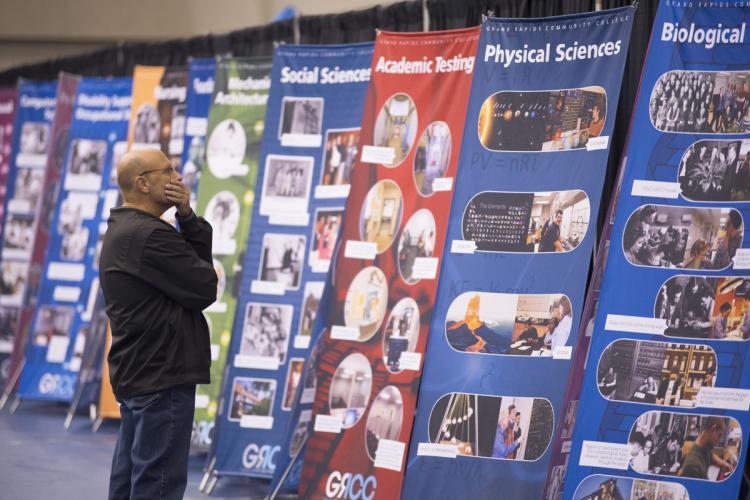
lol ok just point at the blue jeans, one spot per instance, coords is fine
(151, 456)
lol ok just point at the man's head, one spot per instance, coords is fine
(714, 429)
(142, 176)
(725, 308)
(558, 217)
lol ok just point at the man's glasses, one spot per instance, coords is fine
(169, 170)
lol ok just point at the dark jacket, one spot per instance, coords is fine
(156, 281)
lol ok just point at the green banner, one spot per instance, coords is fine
(225, 199)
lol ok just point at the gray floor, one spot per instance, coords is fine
(40, 460)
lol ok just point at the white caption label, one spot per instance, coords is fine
(566, 446)
(410, 361)
(301, 342)
(463, 246)
(390, 454)
(329, 192)
(425, 268)
(360, 250)
(656, 189)
(57, 349)
(442, 184)
(202, 400)
(301, 140)
(562, 352)
(258, 362)
(66, 293)
(596, 143)
(610, 455)
(267, 287)
(724, 398)
(215, 350)
(635, 324)
(327, 423)
(289, 219)
(437, 450)
(31, 160)
(256, 422)
(65, 272)
(339, 332)
(308, 395)
(216, 307)
(196, 126)
(321, 266)
(224, 247)
(742, 258)
(377, 154)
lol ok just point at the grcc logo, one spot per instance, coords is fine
(261, 458)
(351, 487)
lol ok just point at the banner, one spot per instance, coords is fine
(666, 390)
(370, 356)
(69, 282)
(8, 323)
(200, 87)
(29, 197)
(533, 159)
(225, 199)
(309, 144)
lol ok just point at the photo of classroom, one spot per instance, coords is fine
(674, 444)
(659, 373)
(380, 217)
(559, 221)
(549, 120)
(705, 307)
(682, 237)
(350, 389)
(432, 156)
(601, 487)
(396, 126)
(401, 333)
(385, 419)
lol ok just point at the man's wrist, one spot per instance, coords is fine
(185, 213)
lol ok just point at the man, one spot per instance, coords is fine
(551, 237)
(719, 330)
(701, 454)
(156, 281)
(730, 242)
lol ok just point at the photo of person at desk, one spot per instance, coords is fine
(559, 221)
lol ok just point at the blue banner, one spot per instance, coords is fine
(307, 151)
(521, 231)
(69, 282)
(666, 390)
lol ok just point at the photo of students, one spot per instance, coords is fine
(52, 321)
(432, 155)
(659, 373)
(553, 120)
(350, 389)
(293, 376)
(675, 444)
(226, 149)
(385, 419)
(147, 125)
(301, 116)
(18, 235)
(497, 323)
(34, 140)
(265, 331)
(28, 188)
(286, 184)
(506, 428)
(381, 213)
(705, 307)
(682, 237)
(601, 487)
(545, 222)
(417, 241)
(281, 259)
(223, 213)
(324, 236)
(709, 102)
(251, 396)
(310, 302)
(716, 171)
(13, 283)
(396, 126)
(85, 164)
(401, 333)
(339, 155)
(366, 301)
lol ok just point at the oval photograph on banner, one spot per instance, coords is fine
(716, 171)
(401, 333)
(659, 373)
(350, 389)
(705, 102)
(545, 120)
(226, 148)
(682, 237)
(432, 156)
(500, 427)
(601, 486)
(417, 242)
(396, 127)
(366, 301)
(705, 307)
(385, 419)
(544, 222)
(381, 213)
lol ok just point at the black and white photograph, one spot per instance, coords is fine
(52, 321)
(385, 419)
(676, 444)
(339, 155)
(707, 102)
(417, 241)
(223, 213)
(432, 156)
(545, 120)
(682, 237)
(310, 303)
(282, 258)
(118, 149)
(324, 236)
(176, 133)
(85, 165)
(396, 127)
(293, 376)
(222, 276)
(226, 149)
(27, 190)
(75, 236)
(286, 184)
(366, 301)
(350, 389)
(147, 125)
(401, 333)
(13, 282)
(251, 396)
(381, 214)
(8, 327)
(704, 307)
(301, 116)
(300, 433)
(265, 331)
(716, 171)
(18, 236)
(34, 139)
(601, 487)
(658, 373)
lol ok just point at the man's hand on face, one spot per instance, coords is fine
(177, 194)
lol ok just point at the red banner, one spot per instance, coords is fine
(369, 359)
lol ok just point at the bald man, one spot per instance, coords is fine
(156, 283)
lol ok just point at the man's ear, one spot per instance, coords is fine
(142, 185)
